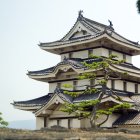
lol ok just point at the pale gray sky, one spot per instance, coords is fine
(23, 23)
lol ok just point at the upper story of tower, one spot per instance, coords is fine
(88, 37)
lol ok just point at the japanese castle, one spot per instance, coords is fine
(86, 37)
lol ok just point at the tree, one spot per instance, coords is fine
(2, 122)
(92, 109)
(138, 5)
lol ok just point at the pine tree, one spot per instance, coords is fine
(138, 6)
(2, 122)
(92, 109)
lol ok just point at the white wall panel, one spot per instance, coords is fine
(39, 122)
(119, 84)
(80, 54)
(130, 87)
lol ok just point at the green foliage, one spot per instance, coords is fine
(87, 75)
(91, 109)
(113, 56)
(73, 94)
(102, 82)
(93, 56)
(91, 90)
(67, 86)
(138, 6)
(2, 122)
(80, 109)
(120, 106)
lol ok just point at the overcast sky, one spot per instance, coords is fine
(25, 23)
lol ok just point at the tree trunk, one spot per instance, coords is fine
(104, 121)
(93, 117)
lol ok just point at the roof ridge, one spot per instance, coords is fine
(98, 23)
(136, 43)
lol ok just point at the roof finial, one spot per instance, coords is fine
(80, 14)
(110, 22)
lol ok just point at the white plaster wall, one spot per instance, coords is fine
(105, 52)
(97, 52)
(111, 120)
(85, 123)
(119, 84)
(119, 55)
(83, 82)
(64, 123)
(76, 123)
(39, 122)
(130, 87)
(128, 59)
(80, 54)
(52, 87)
(59, 114)
(138, 88)
(64, 55)
(78, 34)
(109, 84)
(52, 123)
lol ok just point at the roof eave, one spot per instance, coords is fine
(27, 107)
(55, 48)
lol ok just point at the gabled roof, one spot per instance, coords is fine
(77, 65)
(32, 104)
(84, 24)
(86, 30)
(38, 103)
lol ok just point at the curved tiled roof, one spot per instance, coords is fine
(126, 96)
(131, 118)
(76, 63)
(33, 102)
(97, 28)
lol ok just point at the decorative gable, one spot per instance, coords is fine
(79, 30)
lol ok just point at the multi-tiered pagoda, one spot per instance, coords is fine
(86, 37)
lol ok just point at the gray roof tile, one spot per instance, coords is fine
(132, 118)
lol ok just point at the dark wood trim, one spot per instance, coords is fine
(45, 121)
(113, 84)
(136, 88)
(135, 82)
(59, 118)
(62, 80)
(96, 48)
(125, 86)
